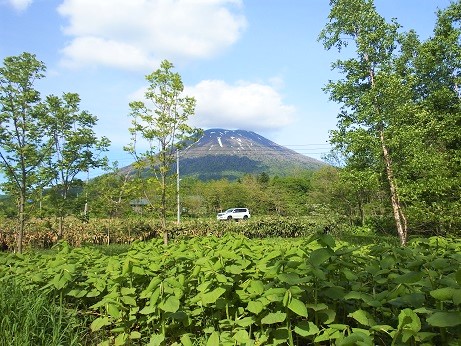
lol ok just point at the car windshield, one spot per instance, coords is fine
(229, 210)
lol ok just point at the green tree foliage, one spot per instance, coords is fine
(7, 207)
(161, 121)
(349, 197)
(398, 129)
(43, 144)
(23, 148)
(434, 180)
(110, 194)
(289, 194)
(76, 148)
(376, 128)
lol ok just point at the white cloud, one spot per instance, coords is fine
(83, 51)
(20, 5)
(136, 33)
(248, 106)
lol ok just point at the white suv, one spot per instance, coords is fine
(234, 214)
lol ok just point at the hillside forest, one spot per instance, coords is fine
(394, 167)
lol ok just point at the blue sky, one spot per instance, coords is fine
(251, 64)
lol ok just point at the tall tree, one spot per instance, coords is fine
(76, 148)
(162, 123)
(23, 148)
(436, 184)
(374, 97)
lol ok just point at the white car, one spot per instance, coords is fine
(234, 214)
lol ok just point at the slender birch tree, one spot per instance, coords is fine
(160, 124)
(374, 97)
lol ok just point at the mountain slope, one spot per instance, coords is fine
(221, 153)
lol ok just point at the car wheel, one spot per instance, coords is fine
(229, 218)
(245, 217)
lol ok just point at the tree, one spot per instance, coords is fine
(375, 98)
(162, 124)
(435, 182)
(76, 148)
(111, 192)
(23, 148)
(289, 194)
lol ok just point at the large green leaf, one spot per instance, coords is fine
(256, 287)
(306, 328)
(241, 337)
(274, 317)
(445, 319)
(211, 297)
(112, 310)
(357, 338)
(298, 307)
(98, 323)
(134, 335)
(409, 320)
(457, 296)
(330, 315)
(170, 305)
(255, 307)
(327, 240)
(128, 300)
(185, 340)
(156, 340)
(319, 256)
(445, 293)
(290, 278)
(245, 322)
(363, 317)
(275, 294)
(409, 278)
(213, 340)
(121, 339)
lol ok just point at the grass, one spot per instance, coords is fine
(33, 318)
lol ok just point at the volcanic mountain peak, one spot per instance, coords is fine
(230, 154)
(222, 153)
(221, 141)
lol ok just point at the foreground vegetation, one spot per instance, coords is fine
(30, 317)
(232, 290)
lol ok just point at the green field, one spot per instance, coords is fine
(232, 290)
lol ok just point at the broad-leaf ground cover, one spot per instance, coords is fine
(236, 291)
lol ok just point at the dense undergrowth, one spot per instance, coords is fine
(232, 290)
(43, 233)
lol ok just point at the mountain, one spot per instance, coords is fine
(221, 153)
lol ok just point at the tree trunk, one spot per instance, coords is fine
(400, 220)
(61, 213)
(22, 221)
(60, 226)
(163, 209)
(361, 212)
